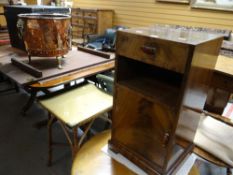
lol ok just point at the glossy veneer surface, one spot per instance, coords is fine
(161, 84)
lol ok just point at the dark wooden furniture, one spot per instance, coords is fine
(162, 78)
(90, 21)
(92, 160)
(76, 65)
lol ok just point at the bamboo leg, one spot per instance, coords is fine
(67, 135)
(75, 137)
(85, 133)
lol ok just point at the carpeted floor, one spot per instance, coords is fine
(23, 148)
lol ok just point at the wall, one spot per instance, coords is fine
(2, 18)
(33, 2)
(147, 12)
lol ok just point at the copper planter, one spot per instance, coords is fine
(45, 35)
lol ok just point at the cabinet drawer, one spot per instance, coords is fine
(164, 54)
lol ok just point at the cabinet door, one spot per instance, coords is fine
(141, 125)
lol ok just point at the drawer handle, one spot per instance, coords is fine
(149, 50)
(166, 139)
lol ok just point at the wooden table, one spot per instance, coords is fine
(92, 160)
(222, 85)
(77, 64)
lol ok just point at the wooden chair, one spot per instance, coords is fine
(75, 108)
(213, 140)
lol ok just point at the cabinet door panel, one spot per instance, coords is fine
(137, 119)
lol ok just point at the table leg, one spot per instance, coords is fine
(1, 77)
(67, 135)
(29, 102)
(16, 87)
(50, 139)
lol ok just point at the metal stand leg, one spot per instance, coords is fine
(59, 61)
(30, 102)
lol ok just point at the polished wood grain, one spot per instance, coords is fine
(161, 83)
(153, 51)
(146, 120)
(74, 75)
